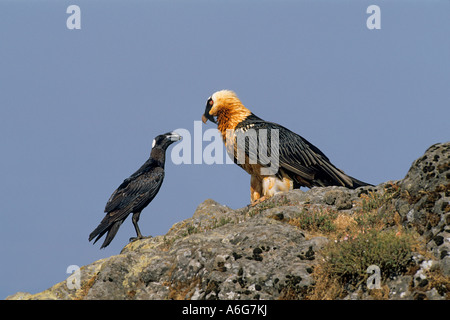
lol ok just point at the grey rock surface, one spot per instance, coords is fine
(263, 252)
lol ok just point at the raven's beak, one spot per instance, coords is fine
(173, 136)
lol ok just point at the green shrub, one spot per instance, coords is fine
(317, 220)
(389, 250)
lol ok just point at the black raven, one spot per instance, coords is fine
(135, 192)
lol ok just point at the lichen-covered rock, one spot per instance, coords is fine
(270, 251)
(424, 202)
(260, 258)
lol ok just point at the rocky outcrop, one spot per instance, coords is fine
(296, 245)
(425, 200)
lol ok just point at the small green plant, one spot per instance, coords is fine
(192, 229)
(345, 262)
(369, 219)
(375, 200)
(221, 222)
(316, 220)
(388, 250)
(372, 201)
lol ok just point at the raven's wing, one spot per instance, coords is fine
(132, 195)
(135, 192)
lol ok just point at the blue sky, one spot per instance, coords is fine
(79, 108)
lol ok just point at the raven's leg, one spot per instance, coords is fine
(135, 220)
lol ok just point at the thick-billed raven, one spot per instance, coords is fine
(135, 192)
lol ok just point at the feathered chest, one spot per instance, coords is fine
(252, 146)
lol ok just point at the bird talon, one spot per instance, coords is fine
(132, 239)
(257, 201)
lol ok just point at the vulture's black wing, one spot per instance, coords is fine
(299, 158)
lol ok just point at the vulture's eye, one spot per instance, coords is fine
(210, 102)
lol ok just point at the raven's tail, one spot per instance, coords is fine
(105, 227)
